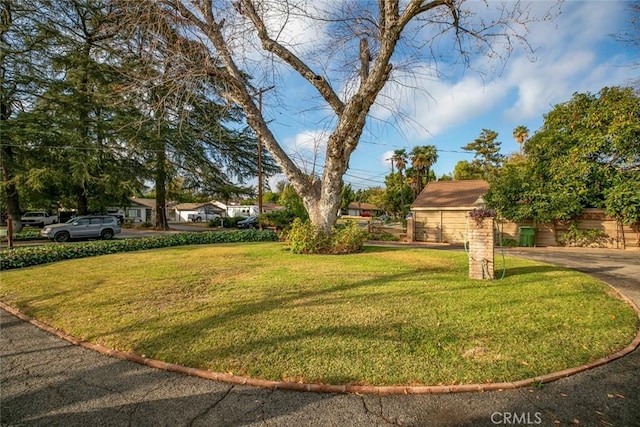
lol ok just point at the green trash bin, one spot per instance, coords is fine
(527, 236)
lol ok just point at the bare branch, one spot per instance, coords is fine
(247, 9)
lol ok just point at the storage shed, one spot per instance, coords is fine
(440, 210)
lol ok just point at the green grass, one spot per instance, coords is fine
(385, 316)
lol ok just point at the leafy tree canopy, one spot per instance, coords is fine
(587, 154)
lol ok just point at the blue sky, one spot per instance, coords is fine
(576, 52)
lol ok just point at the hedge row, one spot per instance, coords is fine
(28, 256)
(24, 235)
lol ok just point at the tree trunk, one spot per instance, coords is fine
(11, 192)
(161, 190)
(82, 202)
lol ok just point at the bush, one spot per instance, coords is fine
(510, 243)
(279, 219)
(305, 238)
(28, 256)
(216, 222)
(232, 222)
(385, 237)
(592, 238)
(347, 239)
(24, 235)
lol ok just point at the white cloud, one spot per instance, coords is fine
(567, 62)
(429, 107)
(542, 84)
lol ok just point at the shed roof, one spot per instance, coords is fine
(451, 194)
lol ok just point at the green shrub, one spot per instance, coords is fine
(279, 219)
(24, 235)
(28, 256)
(348, 239)
(592, 238)
(510, 243)
(305, 238)
(231, 222)
(385, 237)
(216, 222)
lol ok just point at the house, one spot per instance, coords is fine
(140, 210)
(183, 210)
(440, 210)
(363, 209)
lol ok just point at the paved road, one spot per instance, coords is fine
(49, 382)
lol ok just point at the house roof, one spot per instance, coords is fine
(149, 203)
(194, 206)
(451, 194)
(363, 206)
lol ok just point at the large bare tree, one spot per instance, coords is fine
(361, 45)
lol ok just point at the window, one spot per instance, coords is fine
(134, 213)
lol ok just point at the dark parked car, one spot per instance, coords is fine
(83, 227)
(251, 222)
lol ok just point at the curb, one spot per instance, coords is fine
(329, 388)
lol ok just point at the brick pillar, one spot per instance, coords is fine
(481, 247)
(410, 228)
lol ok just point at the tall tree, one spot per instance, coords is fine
(422, 158)
(69, 127)
(20, 70)
(400, 157)
(465, 170)
(185, 127)
(587, 154)
(487, 157)
(520, 134)
(372, 34)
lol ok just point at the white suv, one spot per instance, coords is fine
(83, 227)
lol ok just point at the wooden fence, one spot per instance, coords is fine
(448, 226)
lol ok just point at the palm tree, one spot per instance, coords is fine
(520, 134)
(400, 157)
(422, 158)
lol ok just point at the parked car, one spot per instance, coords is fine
(38, 219)
(251, 222)
(202, 216)
(83, 227)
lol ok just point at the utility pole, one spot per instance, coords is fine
(259, 93)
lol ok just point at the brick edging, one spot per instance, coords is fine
(330, 388)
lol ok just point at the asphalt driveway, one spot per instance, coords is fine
(47, 381)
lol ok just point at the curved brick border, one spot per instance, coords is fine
(328, 388)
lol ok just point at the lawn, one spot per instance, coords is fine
(385, 316)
